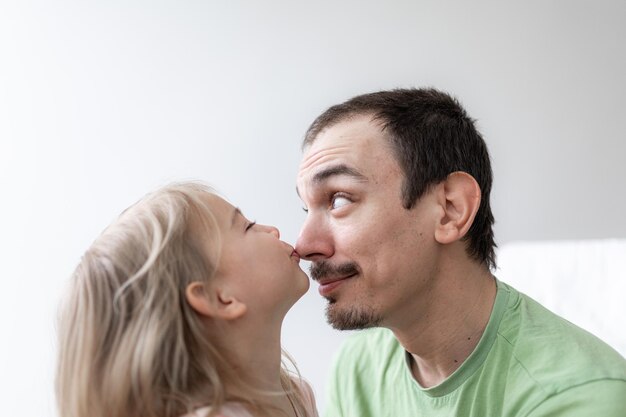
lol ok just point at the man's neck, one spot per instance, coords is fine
(445, 331)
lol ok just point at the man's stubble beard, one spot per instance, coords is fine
(350, 317)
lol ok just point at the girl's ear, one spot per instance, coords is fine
(460, 201)
(214, 302)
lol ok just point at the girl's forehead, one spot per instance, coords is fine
(221, 209)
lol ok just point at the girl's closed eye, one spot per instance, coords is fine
(250, 225)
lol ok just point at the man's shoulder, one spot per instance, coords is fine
(556, 353)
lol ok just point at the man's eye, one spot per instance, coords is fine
(339, 201)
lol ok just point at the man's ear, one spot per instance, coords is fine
(214, 301)
(460, 199)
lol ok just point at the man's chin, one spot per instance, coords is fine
(351, 318)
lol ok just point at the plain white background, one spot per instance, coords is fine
(102, 101)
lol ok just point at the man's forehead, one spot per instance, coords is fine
(354, 151)
(351, 140)
(337, 160)
(361, 125)
(321, 155)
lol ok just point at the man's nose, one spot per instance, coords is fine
(315, 240)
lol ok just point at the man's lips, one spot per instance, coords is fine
(328, 285)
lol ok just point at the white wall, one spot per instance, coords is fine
(102, 101)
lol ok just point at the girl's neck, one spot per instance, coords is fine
(254, 348)
(256, 351)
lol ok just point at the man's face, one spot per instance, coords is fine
(372, 258)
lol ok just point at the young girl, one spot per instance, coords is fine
(176, 310)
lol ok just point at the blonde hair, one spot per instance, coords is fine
(129, 343)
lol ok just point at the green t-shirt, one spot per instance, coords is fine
(529, 362)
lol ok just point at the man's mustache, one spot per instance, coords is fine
(323, 269)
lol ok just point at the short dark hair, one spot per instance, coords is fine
(432, 136)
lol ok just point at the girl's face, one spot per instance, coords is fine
(262, 270)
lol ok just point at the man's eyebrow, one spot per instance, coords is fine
(335, 170)
(338, 170)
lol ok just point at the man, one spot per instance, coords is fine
(396, 187)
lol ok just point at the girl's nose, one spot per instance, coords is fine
(271, 229)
